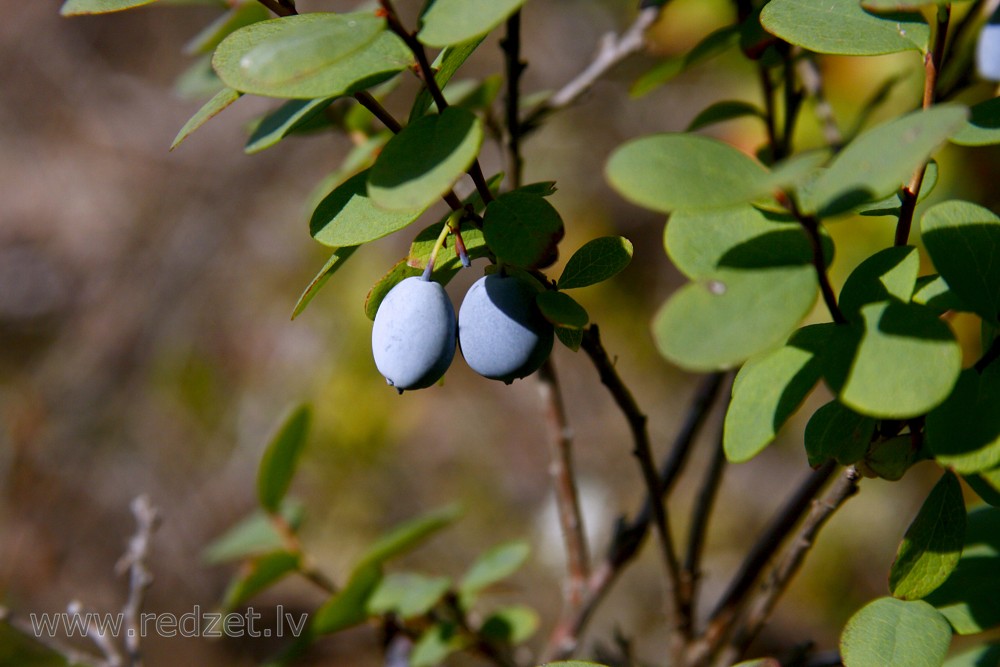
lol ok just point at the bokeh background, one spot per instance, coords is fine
(146, 345)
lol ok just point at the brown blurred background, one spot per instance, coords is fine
(146, 346)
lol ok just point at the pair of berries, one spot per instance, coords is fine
(502, 334)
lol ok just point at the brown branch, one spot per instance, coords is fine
(564, 482)
(514, 67)
(280, 7)
(811, 227)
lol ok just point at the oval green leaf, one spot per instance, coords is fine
(399, 272)
(668, 172)
(495, 565)
(407, 595)
(895, 633)
(730, 315)
(283, 121)
(963, 240)
(842, 27)
(511, 624)
(899, 361)
(448, 22)
(596, 261)
(769, 389)
(349, 606)
(899, 5)
(963, 433)
(277, 466)
(522, 229)
(259, 574)
(310, 56)
(837, 432)
(423, 161)
(932, 544)
(348, 216)
(409, 534)
(562, 310)
(77, 7)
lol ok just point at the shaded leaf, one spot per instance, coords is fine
(837, 432)
(348, 216)
(730, 315)
(983, 126)
(986, 484)
(932, 544)
(892, 205)
(259, 574)
(236, 17)
(337, 259)
(308, 56)
(963, 433)
(278, 124)
(277, 466)
(407, 595)
(769, 389)
(888, 274)
(522, 229)
(895, 633)
(596, 261)
(562, 310)
(714, 44)
(723, 111)
(571, 338)
(446, 64)
(933, 292)
(981, 656)
(448, 22)
(349, 606)
(423, 161)
(209, 110)
(890, 459)
(511, 624)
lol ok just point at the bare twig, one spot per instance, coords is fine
(140, 578)
(96, 634)
(564, 482)
(777, 581)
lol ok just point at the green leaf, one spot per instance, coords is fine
(723, 111)
(349, 606)
(986, 484)
(408, 595)
(437, 643)
(842, 27)
(423, 161)
(968, 599)
(900, 5)
(406, 536)
(308, 56)
(890, 459)
(983, 126)
(769, 389)
(337, 259)
(447, 63)
(448, 22)
(898, 361)
(76, 7)
(253, 536)
(283, 121)
(522, 229)
(932, 544)
(243, 14)
(963, 433)
(933, 292)
(277, 467)
(879, 161)
(730, 315)
(212, 108)
(596, 261)
(714, 44)
(259, 574)
(892, 205)
(981, 656)
(888, 274)
(895, 633)
(562, 310)
(571, 338)
(511, 624)
(837, 432)
(495, 565)
(349, 217)
(667, 172)
(399, 272)
(759, 662)
(963, 240)
(700, 242)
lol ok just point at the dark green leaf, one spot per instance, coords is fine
(963, 433)
(447, 64)
(407, 595)
(212, 108)
(277, 467)
(842, 27)
(879, 161)
(596, 261)
(983, 126)
(75, 7)
(968, 599)
(257, 575)
(423, 161)
(963, 240)
(933, 292)
(283, 121)
(337, 259)
(348, 216)
(667, 172)
(253, 536)
(759, 662)
(495, 565)
(892, 205)
(349, 606)
(406, 536)
(730, 315)
(890, 459)
(562, 310)
(932, 544)
(436, 644)
(571, 338)
(512, 624)
(986, 655)
(838, 433)
(898, 361)
(888, 274)
(309, 56)
(723, 111)
(522, 229)
(895, 633)
(986, 484)
(448, 22)
(769, 389)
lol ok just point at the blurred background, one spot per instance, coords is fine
(146, 345)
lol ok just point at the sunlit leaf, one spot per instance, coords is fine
(895, 633)
(283, 121)
(75, 7)
(596, 261)
(259, 574)
(337, 259)
(888, 274)
(448, 22)
(349, 217)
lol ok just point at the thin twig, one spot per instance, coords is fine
(811, 227)
(564, 482)
(777, 581)
(514, 67)
(140, 578)
(280, 7)
(71, 655)
(932, 66)
(96, 634)
(307, 568)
